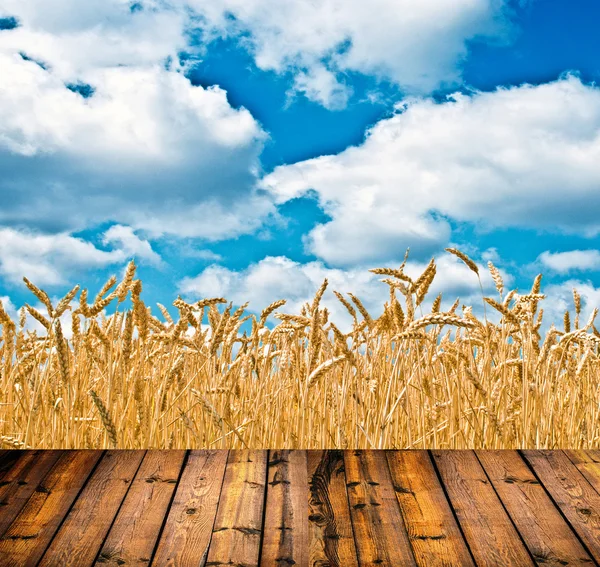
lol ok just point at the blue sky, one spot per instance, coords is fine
(250, 149)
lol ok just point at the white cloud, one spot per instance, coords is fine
(125, 239)
(559, 298)
(318, 42)
(418, 45)
(52, 259)
(49, 259)
(74, 37)
(281, 278)
(148, 149)
(523, 156)
(573, 260)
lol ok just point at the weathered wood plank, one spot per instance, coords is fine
(331, 540)
(238, 527)
(135, 531)
(543, 529)
(187, 532)
(285, 538)
(569, 489)
(8, 457)
(78, 541)
(588, 464)
(32, 530)
(20, 481)
(379, 530)
(432, 529)
(489, 532)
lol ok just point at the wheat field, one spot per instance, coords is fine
(398, 379)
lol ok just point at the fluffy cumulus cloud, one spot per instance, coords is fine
(282, 278)
(559, 298)
(521, 156)
(95, 126)
(417, 45)
(49, 259)
(125, 239)
(571, 261)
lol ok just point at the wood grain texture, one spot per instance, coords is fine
(282, 508)
(238, 527)
(331, 540)
(379, 530)
(187, 533)
(8, 457)
(78, 541)
(432, 529)
(285, 539)
(20, 481)
(489, 532)
(574, 495)
(134, 533)
(588, 464)
(32, 530)
(548, 537)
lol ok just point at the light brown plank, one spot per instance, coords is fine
(548, 537)
(432, 529)
(490, 534)
(135, 531)
(79, 538)
(187, 532)
(379, 530)
(569, 489)
(238, 527)
(588, 464)
(20, 481)
(285, 540)
(28, 536)
(331, 541)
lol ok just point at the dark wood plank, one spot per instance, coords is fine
(187, 532)
(569, 489)
(80, 537)
(238, 527)
(331, 540)
(8, 457)
(379, 530)
(588, 464)
(543, 529)
(20, 481)
(490, 534)
(134, 533)
(285, 539)
(28, 536)
(432, 529)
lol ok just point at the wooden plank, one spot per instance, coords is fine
(331, 540)
(8, 457)
(285, 540)
(490, 534)
(432, 529)
(20, 481)
(379, 530)
(135, 531)
(80, 537)
(588, 464)
(187, 532)
(238, 526)
(543, 529)
(28, 536)
(569, 489)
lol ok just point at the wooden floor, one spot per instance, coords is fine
(283, 508)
